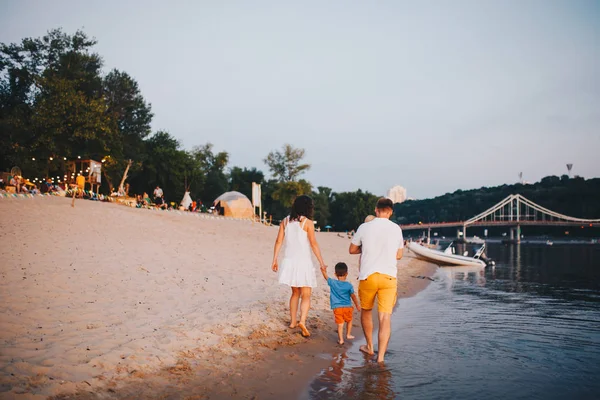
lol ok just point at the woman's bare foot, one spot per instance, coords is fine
(366, 350)
(340, 342)
(305, 331)
(350, 337)
(293, 325)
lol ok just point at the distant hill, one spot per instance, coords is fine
(576, 197)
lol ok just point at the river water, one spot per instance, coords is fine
(527, 329)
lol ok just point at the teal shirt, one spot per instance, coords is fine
(340, 293)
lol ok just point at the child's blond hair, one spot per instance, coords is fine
(369, 218)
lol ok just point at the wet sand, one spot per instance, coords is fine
(106, 301)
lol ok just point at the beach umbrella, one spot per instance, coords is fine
(328, 227)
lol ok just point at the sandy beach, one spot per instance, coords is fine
(103, 300)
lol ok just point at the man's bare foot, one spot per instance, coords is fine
(366, 350)
(293, 325)
(305, 331)
(340, 342)
(349, 337)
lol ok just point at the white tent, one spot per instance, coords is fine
(186, 201)
(234, 204)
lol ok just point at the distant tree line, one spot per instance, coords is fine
(575, 197)
(57, 105)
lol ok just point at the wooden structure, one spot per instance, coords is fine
(90, 169)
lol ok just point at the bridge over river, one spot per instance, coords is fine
(514, 211)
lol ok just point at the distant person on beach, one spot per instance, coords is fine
(341, 298)
(14, 181)
(158, 196)
(80, 181)
(297, 231)
(380, 244)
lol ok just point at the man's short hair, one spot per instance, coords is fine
(384, 203)
(341, 269)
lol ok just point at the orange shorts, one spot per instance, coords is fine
(342, 314)
(382, 286)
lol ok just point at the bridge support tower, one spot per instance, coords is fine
(515, 232)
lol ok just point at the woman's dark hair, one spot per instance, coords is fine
(303, 207)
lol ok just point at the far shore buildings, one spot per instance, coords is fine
(397, 194)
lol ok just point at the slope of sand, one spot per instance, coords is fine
(95, 297)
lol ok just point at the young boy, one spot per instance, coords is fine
(341, 294)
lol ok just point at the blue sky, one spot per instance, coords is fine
(432, 95)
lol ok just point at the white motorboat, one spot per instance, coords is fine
(475, 240)
(445, 258)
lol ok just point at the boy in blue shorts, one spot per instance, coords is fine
(341, 298)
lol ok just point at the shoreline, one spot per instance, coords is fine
(283, 365)
(70, 284)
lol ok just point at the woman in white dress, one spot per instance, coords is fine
(297, 232)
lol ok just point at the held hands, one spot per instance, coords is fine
(324, 271)
(275, 266)
(357, 307)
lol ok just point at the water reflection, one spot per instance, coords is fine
(353, 377)
(449, 275)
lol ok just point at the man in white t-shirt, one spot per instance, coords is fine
(380, 244)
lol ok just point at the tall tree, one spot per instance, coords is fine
(322, 200)
(212, 167)
(241, 180)
(349, 209)
(167, 166)
(51, 100)
(286, 192)
(286, 165)
(131, 116)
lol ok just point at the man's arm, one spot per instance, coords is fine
(399, 254)
(354, 249)
(400, 251)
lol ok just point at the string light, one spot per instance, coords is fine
(51, 158)
(32, 158)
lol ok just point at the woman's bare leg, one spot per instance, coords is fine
(294, 307)
(305, 293)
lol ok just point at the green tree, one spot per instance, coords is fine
(286, 192)
(270, 205)
(167, 166)
(51, 100)
(349, 209)
(286, 165)
(322, 200)
(240, 179)
(211, 168)
(131, 116)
